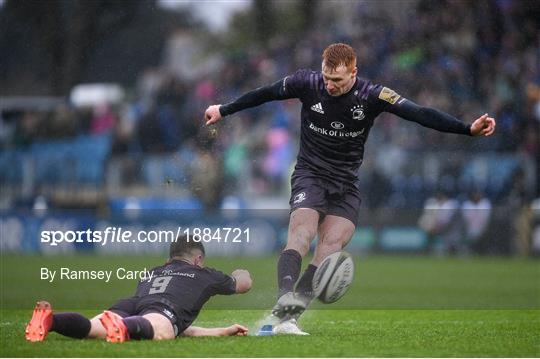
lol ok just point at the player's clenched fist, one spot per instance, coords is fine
(483, 126)
(212, 114)
(236, 329)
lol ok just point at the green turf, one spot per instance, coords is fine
(334, 333)
(397, 306)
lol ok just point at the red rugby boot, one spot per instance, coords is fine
(114, 325)
(41, 322)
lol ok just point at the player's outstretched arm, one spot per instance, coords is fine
(431, 117)
(243, 280)
(250, 99)
(235, 329)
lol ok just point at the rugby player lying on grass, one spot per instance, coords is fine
(162, 308)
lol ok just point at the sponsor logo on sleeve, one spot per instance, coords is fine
(388, 95)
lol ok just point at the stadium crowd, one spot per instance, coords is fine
(449, 57)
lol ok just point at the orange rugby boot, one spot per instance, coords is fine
(41, 322)
(114, 325)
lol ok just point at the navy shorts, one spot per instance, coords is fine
(136, 306)
(324, 195)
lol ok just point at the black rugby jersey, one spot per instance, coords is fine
(184, 288)
(334, 129)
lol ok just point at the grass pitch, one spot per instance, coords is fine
(397, 306)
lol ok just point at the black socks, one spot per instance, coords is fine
(289, 265)
(72, 325)
(305, 284)
(288, 270)
(139, 328)
(75, 325)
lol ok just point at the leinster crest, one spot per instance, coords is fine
(358, 113)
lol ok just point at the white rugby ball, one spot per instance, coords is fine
(333, 277)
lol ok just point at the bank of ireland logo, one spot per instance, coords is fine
(300, 197)
(358, 113)
(337, 125)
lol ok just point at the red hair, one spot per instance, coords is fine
(339, 54)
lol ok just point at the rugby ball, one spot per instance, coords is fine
(333, 277)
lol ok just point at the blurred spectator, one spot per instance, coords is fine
(442, 224)
(62, 123)
(103, 120)
(123, 165)
(476, 212)
(279, 156)
(148, 133)
(28, 129)
(40, 206)
(207, 179)
(159, 130)
(124, 133)
(518, 203)
(168, 128)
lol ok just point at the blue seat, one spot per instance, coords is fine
(11, 166)
(67, 161)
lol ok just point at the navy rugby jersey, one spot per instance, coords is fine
(184, 288)
(334, 130)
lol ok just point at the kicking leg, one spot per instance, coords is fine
(334, 234)
(302, 230)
